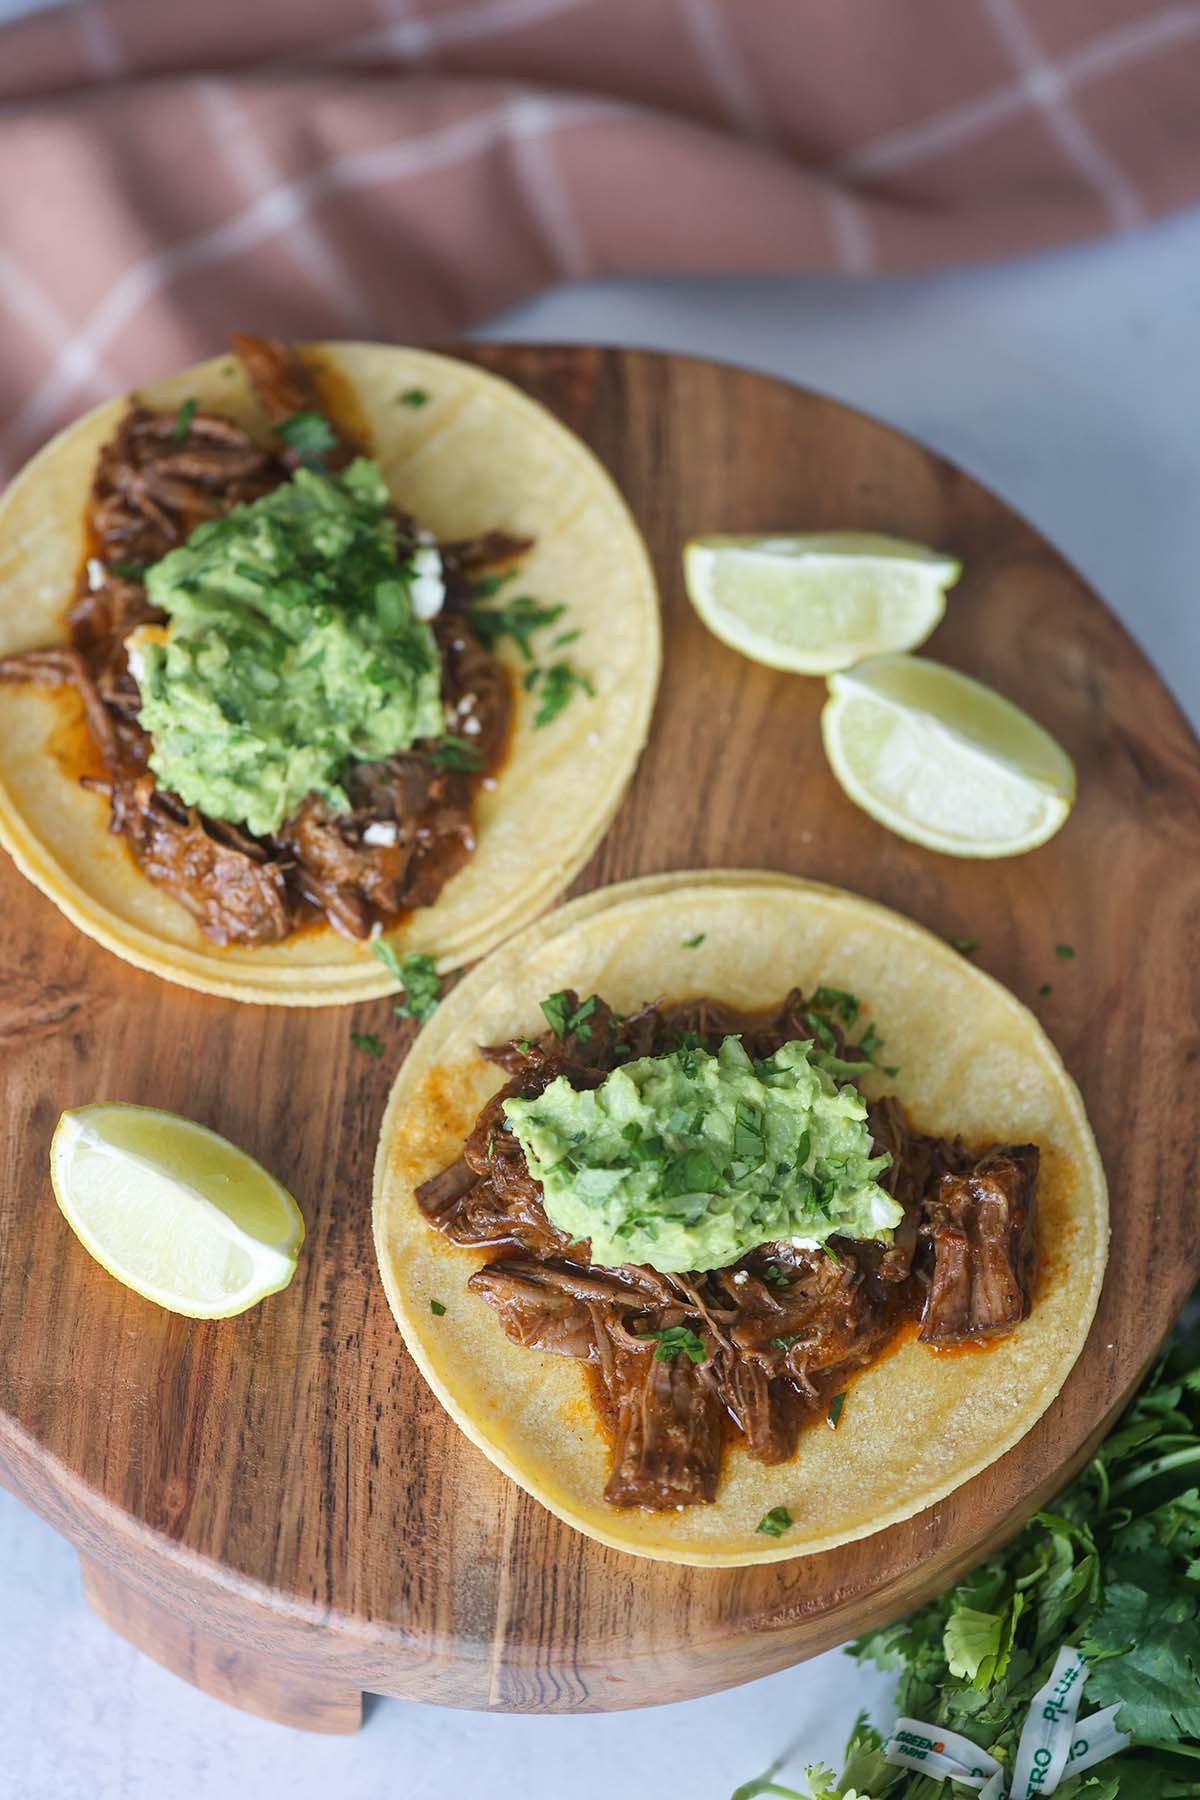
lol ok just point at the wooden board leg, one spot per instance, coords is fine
(247, 1678)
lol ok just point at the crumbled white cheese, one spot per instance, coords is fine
(380, 831)
(741, 1276)
(471, 726)
(133, 656)
(805, 1243)
(427, 590)
(376, 931)
(97, 574)
(488, 782)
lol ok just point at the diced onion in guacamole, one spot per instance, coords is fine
(689, 1160)
(293, 648)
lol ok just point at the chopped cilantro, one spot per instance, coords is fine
(558, 683)
(413, 397)
(869, 1042)
(565, 637)
(437, 1309)
(775, 1275)
(488, 586)
(366, 1040)
(518, 620)
(454, 753)
(309, 435)
(695, 1172)
(693, 943)
(1045, 988)
(776, 1522)
(785, 1343)
(838, 1001)
(183, 421)
(524, 1046)
(1066, 951)
(835, 1411)
(964, 945)
(821, 1031)
(229, 370)
(128, 571)
(674, 1339)
(561, 1019)
(418, 976)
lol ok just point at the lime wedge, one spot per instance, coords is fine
(944, 760)
(815, 603)
(175, 1212)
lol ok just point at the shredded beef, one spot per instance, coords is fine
(785, 1328)
(980, 1226)
(408, 828)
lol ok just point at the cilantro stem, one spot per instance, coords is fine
(1161, 1465)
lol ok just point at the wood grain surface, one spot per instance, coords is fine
(275, 1505)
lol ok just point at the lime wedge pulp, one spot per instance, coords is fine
(812, 603)
(943, 760)
(174, 1211)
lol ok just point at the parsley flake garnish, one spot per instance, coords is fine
(183, 420)
(454, 753)
(676, 1338)
(518, 620)
(418, 976)
(310, 436)
(413, 397)
(964, 945)
(835, 1411)
(437, 1309)
(366, 1040)
(1064, 950)
(692, 943)
(776, 1522)
(561, 1019)
(558, 683)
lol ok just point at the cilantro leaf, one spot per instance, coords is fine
(836, 1000)
(183, 420)
(366, 1040)
(562, 1018)
(454, 753)
(677, 1339)
(1066, 951)
(417, 975)
(775, 1522)
(437, 1309)
(964, 945)
(310, 436)
(834, 1414)
(518, 620)
(413, 397)
(558, 683)
(693, 943)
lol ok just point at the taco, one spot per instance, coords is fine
(707, 1164)
(306, 646)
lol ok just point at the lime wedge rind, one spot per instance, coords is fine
(157, 1231)
(814, 603)
(944, 761)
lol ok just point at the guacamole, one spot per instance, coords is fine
(292, 649)
(689, 1160)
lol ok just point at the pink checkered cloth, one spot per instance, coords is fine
(398, 168)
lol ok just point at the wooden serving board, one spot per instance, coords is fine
(275, 1506)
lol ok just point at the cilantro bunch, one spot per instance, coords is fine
(1113, 1568)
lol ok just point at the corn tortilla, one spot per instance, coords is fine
(478, 455)
(972, 1060)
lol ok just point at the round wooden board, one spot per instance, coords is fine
(276, 1506)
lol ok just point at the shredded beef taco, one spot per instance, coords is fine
(736, 1217)
(306, 648)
